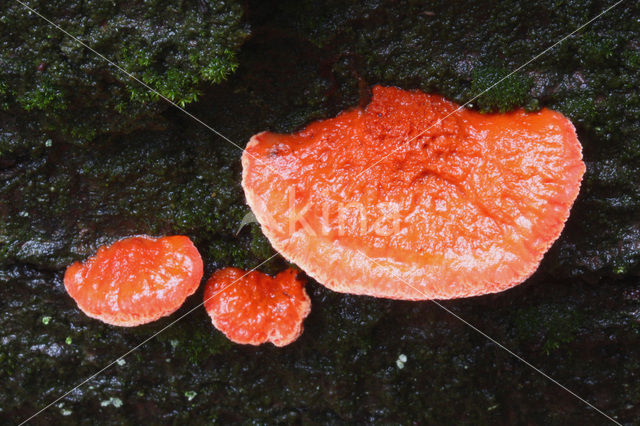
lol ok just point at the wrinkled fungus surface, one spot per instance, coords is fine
(255, 308)
(410, 198)
(136, 280)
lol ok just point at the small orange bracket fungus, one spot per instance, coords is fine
(135, 280)
(413, 198)
(254, 308)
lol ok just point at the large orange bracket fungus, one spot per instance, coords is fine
(135, 280)
(254, 308)
(411, 198)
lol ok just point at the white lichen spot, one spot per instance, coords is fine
(174, 343)
(190, 394)
(48, 143)
(64, 411)
(121, 362)
(402, 358)
(116, 402)
(399, 364)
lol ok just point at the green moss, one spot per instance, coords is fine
(501, 91)
(173, 48)
(220, 67)
(550, 328)
(195, 346)
(45, 96)
(582, 109)
(596, 50)
(260, 246)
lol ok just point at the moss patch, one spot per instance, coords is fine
(172, 47)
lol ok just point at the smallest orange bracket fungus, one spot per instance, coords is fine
(136, 280)
(254, 308)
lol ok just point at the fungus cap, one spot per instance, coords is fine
(135, 280)
(413, 198)
(254, 308)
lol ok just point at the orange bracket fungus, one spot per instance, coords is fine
(413, 198)
(135, 280)
(254, 308)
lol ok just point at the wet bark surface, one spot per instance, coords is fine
(577, 319)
